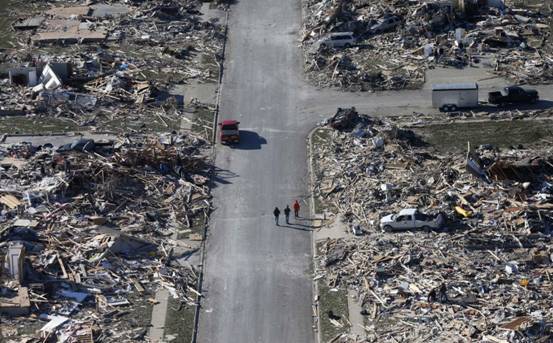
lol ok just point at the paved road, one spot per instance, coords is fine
(257, 282)
(321, 103)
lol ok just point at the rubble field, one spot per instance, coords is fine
(91, 230)
(394, 42)
(484, 275)
(110, 67)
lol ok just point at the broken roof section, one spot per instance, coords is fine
(29, 23)
(105, 11)
(74, 34)
(69, 12)
(65, 25)
(48, 80)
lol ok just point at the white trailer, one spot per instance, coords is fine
(452, 96)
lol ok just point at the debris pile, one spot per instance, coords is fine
(484, 276)
(101, 64)
(344, 118)
(395, 41)
(90, 229)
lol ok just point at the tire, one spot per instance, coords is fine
(445, 108)
(453, 108)
(347, 45)
(426, 228)
(388, 228)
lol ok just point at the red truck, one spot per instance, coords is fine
(230, 132)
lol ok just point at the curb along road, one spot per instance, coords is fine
(212, 174)
(316, 318)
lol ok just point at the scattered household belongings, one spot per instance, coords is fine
(390, 44)
(91, 230)
(88, 232)
(483, 277)
(78, 73)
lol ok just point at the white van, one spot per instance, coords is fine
(337, 40)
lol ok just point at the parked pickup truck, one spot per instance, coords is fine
(411, 218)
(512, 95)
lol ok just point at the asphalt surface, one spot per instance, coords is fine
(318, 104)
(257, 283)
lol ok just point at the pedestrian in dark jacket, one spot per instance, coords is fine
(296, 209)
(276, 212)
(287, 214)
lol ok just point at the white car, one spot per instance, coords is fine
(337, 40)
(411, 218)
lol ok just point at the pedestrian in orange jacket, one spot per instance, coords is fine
(296, 209)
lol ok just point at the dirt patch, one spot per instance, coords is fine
(203, 121)
(179, 324)
(37, 125)
(333, 302)
(454, 136)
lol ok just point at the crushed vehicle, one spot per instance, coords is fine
(230, 132)
(337, 40)
(411, 218)
(385, 24)
(512, 95)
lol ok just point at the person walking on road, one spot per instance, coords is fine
(296, 209)
(276, 212)
(287, 214)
